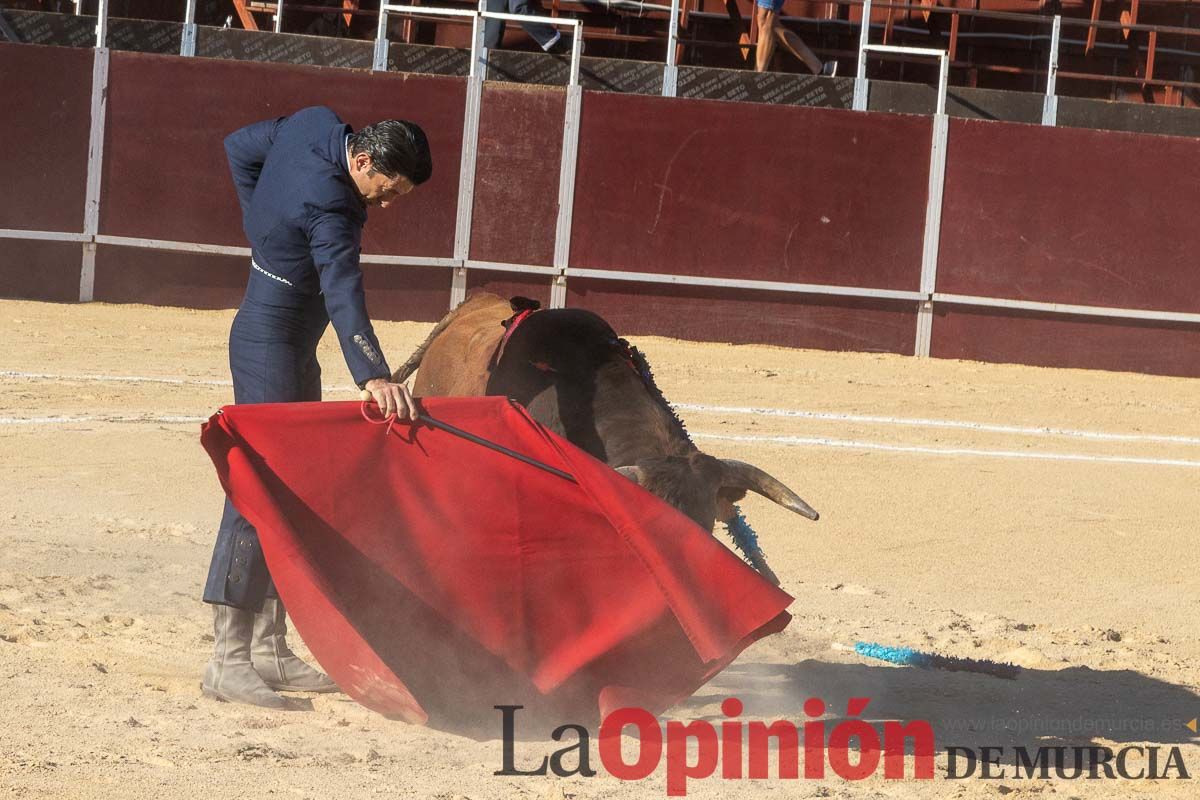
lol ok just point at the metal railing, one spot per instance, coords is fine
(477, 17)
(679, 9)
(379, 60)
(1053, 38)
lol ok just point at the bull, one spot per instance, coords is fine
(578, 378)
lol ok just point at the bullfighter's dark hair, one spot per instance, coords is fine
(396, 147)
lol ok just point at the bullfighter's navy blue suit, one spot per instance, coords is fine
(303, 217)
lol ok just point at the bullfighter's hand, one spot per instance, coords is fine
(391, 398)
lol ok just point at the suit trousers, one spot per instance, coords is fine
(493, 29)
(273, 359)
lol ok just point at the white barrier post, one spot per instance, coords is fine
(478, 62)
(379, 60)
(566, 175)
(671, 71)
(187, 44)
(933, 213)
(95, 169)
(1050, 103)
(470, 153)
(102, 23)
(860, 78)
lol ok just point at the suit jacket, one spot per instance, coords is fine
(304, 218)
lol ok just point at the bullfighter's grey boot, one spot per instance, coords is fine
(230, 674)
(279, 667)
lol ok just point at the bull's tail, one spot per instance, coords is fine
(410, 366)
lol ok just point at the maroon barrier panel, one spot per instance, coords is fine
(155, 277)
(38, 270)
(727, 190)
(703, 187)
(510, 284)
(1015, 337)
(1065, 215)
(516, 174)
(671, 187)
(165, 175)
(418, 294)
(739, 316)
(1070, 216)
(46, 122)
(44, 127)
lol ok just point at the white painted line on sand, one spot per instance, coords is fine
(710, 409)
(47, 376)
(170, 419)
(791, 441)
(938, 423)
(805, 441)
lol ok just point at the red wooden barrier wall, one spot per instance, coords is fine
(670, 187)
(732, 190)
(741, 316)
(40, 270)
(165, 175)
(979, 334)
(1065, 215)
(726, 190)
(1081, 217)
(516, 174)
(44, 130)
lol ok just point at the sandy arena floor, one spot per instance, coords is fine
(1072, 554)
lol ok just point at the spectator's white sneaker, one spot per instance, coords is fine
(829, 69)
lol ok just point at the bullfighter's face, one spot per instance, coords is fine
(375, 188)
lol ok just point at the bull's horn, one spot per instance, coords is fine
(741, 475)
(633, 473)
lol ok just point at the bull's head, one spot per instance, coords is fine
(705, 488)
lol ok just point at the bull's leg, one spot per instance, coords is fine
(410, 366)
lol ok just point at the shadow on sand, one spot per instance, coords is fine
(1072, 706)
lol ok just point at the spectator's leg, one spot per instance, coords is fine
(493, 29)
(766, 38)
(545, 35)
(798, 48)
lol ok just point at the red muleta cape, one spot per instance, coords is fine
(434, 578)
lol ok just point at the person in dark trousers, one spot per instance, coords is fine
(771, 32)
(304, 183)
(547, 36)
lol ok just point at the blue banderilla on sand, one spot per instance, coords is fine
(906, 656)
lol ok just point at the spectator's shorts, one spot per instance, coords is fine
(770, 5)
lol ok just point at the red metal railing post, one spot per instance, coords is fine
(1091, 37)
(953, 37)
(1150, 56)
